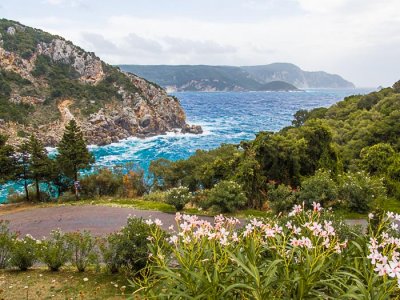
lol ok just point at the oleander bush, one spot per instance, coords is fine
(83, 249)
(306, 254)
(178, 197)
(55, 251)
(6, 244)
(24, 252)
(127, 249)
(360, 191)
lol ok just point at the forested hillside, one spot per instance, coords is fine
(346, 155)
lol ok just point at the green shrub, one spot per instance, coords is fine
(127, 249)
(83, 246)
(156, 196)
(24, 252)
(319, 188)
(6, 244)
(134, 184)
(178, 197)
(359, 191)
(225, 196)
(109, 248)
(18, 197)
(301, 255)
(102, 183)
(55, 251)
(281, 198)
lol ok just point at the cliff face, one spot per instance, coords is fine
(45, 81)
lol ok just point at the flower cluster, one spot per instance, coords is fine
(192, 229)
(384, 249)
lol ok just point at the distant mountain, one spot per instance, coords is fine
(45, 81)
(229, 78)
(294, 75)
(203, 78)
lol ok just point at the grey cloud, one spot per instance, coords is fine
(187, 46)
(134, 44)
(99, 43)
(138, 43)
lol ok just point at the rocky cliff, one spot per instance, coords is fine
(45, 81)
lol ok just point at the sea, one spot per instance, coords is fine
(226, 117)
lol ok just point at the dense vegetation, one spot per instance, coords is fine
(52, 80)
(343, 156)
(306, 254)
(13, 111)
(25, 40)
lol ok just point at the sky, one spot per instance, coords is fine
(357, 39)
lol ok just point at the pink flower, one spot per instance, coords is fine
(316, 206)
(158, 222)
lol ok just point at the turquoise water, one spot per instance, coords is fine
(226, 117)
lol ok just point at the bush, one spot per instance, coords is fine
(6, 244)
(24, 252)
(319, 188)
(225, 196)
(102, 183)
(55, 251)
(18, 197)
(134, 184)
(156, 196)
(109, 248)
(127, 249)
(359, 191)
(281, 198)
(302, 255)
(178, 197)
(82, 248)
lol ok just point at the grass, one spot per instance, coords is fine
(391, 204)
(65, 284)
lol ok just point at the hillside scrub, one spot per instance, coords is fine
(318, 158)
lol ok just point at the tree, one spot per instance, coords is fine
(396, 87)
(73, 154)
(7, 160)
(300, 117)
(22, 167)
(39, 163)
(377, 158)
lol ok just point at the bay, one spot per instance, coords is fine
(226, 117)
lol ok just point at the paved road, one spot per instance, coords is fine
(100, 220)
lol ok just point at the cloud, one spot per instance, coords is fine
(138, 43)
(349, 37)
(99, 43)
(185, 46)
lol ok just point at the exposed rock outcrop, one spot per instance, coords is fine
(108, 104)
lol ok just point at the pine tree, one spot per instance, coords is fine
(22, 167)
(7, 160)
(39, 163)
(73, 153)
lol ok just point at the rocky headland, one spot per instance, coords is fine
(46, 81)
